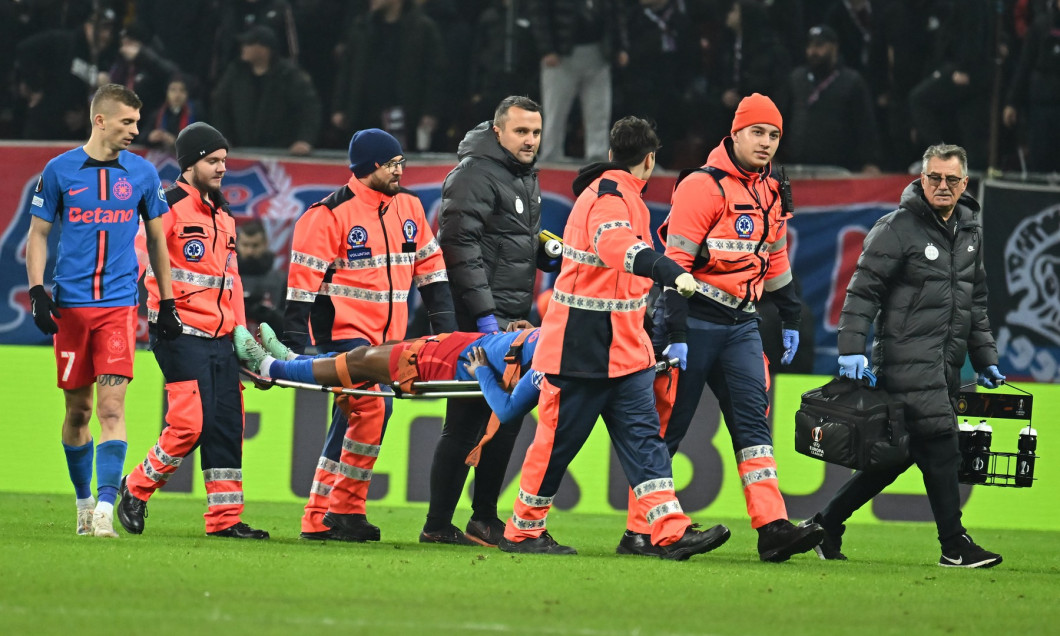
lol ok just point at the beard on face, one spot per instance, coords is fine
(255, 265)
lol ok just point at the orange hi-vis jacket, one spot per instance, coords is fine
(727, 227)
(354, 256)
(201, 236)
(594, 327)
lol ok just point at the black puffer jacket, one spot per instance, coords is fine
(488, 229)
(926, 291)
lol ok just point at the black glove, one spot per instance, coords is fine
(43, 307)
(169, 324)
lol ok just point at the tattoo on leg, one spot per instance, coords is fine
(110, 380)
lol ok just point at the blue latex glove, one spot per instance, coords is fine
(990, 377)
(852, 366)
(678, 350)
(487, 324)
(791, 345)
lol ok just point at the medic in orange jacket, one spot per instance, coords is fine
(202, 251)
(728, 225)
(729, 228)
(354, 257)
(200, 367)
(597, 358)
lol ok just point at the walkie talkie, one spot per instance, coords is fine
(787, 205)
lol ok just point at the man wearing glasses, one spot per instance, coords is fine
(354, 256)
(921, 279)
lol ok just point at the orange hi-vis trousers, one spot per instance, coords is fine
(205, 412)
(729, 359)
(567, 412)
(344, 471)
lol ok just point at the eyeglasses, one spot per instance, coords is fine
(392, 166)
(951, 181)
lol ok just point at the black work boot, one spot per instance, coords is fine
(130, 511)
(240, 531)
(778, 540)
(351, 527)
(544, 544)
(637, 543)
(695, 541)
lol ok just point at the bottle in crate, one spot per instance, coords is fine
(966, 441)
(981, 464)
(1025, 457)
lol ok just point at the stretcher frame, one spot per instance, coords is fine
(431, 389)
(434, 389)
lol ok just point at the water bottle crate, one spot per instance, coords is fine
(1002, 472)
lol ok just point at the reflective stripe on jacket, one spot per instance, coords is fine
(355, 255)
(201, 237)
(595, 322)
(733, 229)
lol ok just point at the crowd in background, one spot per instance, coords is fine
(864, 85)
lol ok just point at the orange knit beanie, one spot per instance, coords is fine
(757, 109)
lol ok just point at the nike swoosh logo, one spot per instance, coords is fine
(76, 192)
(113, 360)
(959, 560)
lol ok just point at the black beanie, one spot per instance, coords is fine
(370, 149)
(196, 141)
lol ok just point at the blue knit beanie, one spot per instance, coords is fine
(370, 149)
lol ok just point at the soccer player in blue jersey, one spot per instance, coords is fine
(96, 194)
(455, 356)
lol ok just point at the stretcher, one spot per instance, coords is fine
(432, 389)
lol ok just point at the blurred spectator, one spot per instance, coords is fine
(57, 70)
(829, 120)
(391, 74)
(578, 40)
(174, 115)
(505, 60)
(853, 24)
(173, 28)
(264, 286)
(952, 103)
(140, 68)
(265, 101)
(1035, 92)
(787, 20)
(750, 59)
(237, 17)
(321, 28)
(900, 59)
(664, 57)
(458, 40)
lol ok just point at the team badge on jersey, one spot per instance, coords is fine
(357, 241)
(122, 189)
(194, 250)
(931, 252)
(518, 205)
(744, 226)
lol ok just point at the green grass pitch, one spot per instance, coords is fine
(173, 579)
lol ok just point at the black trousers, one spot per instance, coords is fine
(465, 421)
(938, 458)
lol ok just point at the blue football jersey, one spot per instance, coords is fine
(496, 347)
(97, 206)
